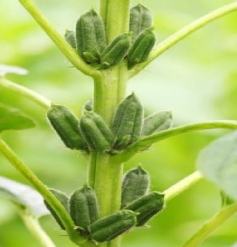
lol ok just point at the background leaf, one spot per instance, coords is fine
(23, 195)
(218, 162)
(12, 119)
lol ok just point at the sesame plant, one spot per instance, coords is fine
(112, 45)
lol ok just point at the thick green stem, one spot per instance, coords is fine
(20, 90)
(211, 226)
(46, 193)
(35, 229)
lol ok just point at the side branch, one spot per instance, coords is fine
(147, 141)
(183, 33)
(62, 44)
(211, 226)
(31, 95)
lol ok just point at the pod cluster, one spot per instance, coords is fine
(92, 134)
(138, 206)
(90, 41)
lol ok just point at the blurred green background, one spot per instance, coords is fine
(197, 80)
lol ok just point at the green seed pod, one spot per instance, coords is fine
(128, 120)
(157, 122)
(67, 126)
(147, 206)
(112, 226)
(84, 207)
(141, 48)
(135, 185)
(88, 105)
(90, 36)
(96, 133)
(64, 200)
(140, 20)
(70, 38)
(116, 51)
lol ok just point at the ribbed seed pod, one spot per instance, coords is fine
(112, 226)
(116, 51)
(96, 133)
(141, 48)
(67, 127)
(140, 20)
(128, 120)
(64, 200)
(70, 38)
(90, 37)
(135, 185)
(157, 122)
(147, 206)
(84, 208)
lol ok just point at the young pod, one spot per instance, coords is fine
(64, 200)
(70, 38)
(96, 133)
(84, 207)
(67, 127)
(116, 51)
(135, 185)
(90, 37)
(112, 226)
(147, 206)
(140, 20)
(157, 122)
(88, 105)
(128, 120)
(141, 48)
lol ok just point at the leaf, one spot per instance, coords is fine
(12, 119)
(23, 195)
(5, 69)
(218, 162)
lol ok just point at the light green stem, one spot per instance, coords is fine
(35, 229)
(182, 185)
(208, 228)
(183, 33)
(20, 90)
(47, 195)
(147, 141)
(61, 43)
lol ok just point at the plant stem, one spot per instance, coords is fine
(208, 228)
(185, 32)
(182, 185)
(35, 229)
(31, 95)
(147, 141)
(60, 42)
(45, 192)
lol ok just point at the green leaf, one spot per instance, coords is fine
(23, 196)
(218, 162)
(12, 119)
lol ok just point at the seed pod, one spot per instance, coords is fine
(116, 51)
(135, 185)
(128, 120)
(112, 226)
(67, 126)
(88, 105)
(96, 133)
(70, 38)
(64, 200)
(84, 207)
(141, 48)
(157, 122)
(140, 20)
(90, 36)
(147, 206)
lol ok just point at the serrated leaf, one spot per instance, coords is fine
(218, 163)
(24, 196)
(5, 69)
(12, 119)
